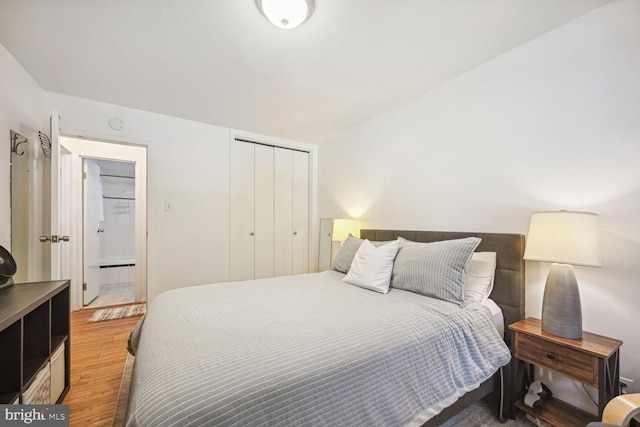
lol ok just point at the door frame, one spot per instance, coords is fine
(79, 149)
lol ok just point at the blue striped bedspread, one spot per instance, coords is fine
(306, 350)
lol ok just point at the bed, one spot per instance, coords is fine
(312, 350)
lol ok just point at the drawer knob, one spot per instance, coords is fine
(551, 356)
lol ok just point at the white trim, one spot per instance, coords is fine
(89, 148)
(272, 140)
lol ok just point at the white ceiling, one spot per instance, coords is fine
(222, 62)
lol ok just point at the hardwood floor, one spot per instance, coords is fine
(98, 355)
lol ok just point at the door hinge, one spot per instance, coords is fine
(84, 286)
(84, 175)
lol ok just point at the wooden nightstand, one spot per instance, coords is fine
(594, 360)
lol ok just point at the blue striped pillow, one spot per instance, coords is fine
(434, 269)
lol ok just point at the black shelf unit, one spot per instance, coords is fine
(10, 342)
(34, 323)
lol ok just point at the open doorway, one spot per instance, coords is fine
(117, 202)
(109, 233)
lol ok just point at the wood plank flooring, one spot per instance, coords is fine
(98, 355)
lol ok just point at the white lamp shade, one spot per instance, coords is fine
(564, 237)
(341, 229)
(286, 14)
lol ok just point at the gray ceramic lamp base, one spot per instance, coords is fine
(561, 308)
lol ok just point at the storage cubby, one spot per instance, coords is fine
(34, 330)
(35, 350)
(60, 349)
(10, 363)
(59, 319)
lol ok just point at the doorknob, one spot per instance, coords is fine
(54, 238)
(295, 233)
(252, 234)
(100, 230)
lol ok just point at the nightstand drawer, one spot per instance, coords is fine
(566, 361)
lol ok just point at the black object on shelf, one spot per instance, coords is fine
(7, 268)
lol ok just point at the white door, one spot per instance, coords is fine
(263, 220)
(283, 247)
(269, 189)
(92, 204)
(300, 212)
(55, 198)
(242, 207)
(57, 234)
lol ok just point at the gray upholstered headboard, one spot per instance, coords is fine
(508, 289)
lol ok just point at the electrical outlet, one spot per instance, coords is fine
(626, 386)
(168, 206)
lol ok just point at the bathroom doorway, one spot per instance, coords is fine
(114, 201)
(109, 206)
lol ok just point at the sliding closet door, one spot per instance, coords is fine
(283, 247)
(264, 205)
(242, 189)
(300, 212)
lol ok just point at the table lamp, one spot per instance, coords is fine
(564, 238)
(342, 227)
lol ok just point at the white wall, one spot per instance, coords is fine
(553, 124)
(20, 110)
(117, 241)
(188, 165)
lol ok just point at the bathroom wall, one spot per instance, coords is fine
(117, 242)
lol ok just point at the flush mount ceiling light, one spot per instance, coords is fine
(286, 14)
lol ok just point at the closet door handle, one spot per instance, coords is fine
(54, 238)
(295, 233)
(252, 234)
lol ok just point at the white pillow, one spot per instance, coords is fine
(480, 272)
(372, 266)
(344, 258)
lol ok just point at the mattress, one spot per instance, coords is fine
(497, 317)
(306, 350)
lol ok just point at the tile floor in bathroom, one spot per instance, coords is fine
(116, 293)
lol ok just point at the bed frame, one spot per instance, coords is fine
(508, 293)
